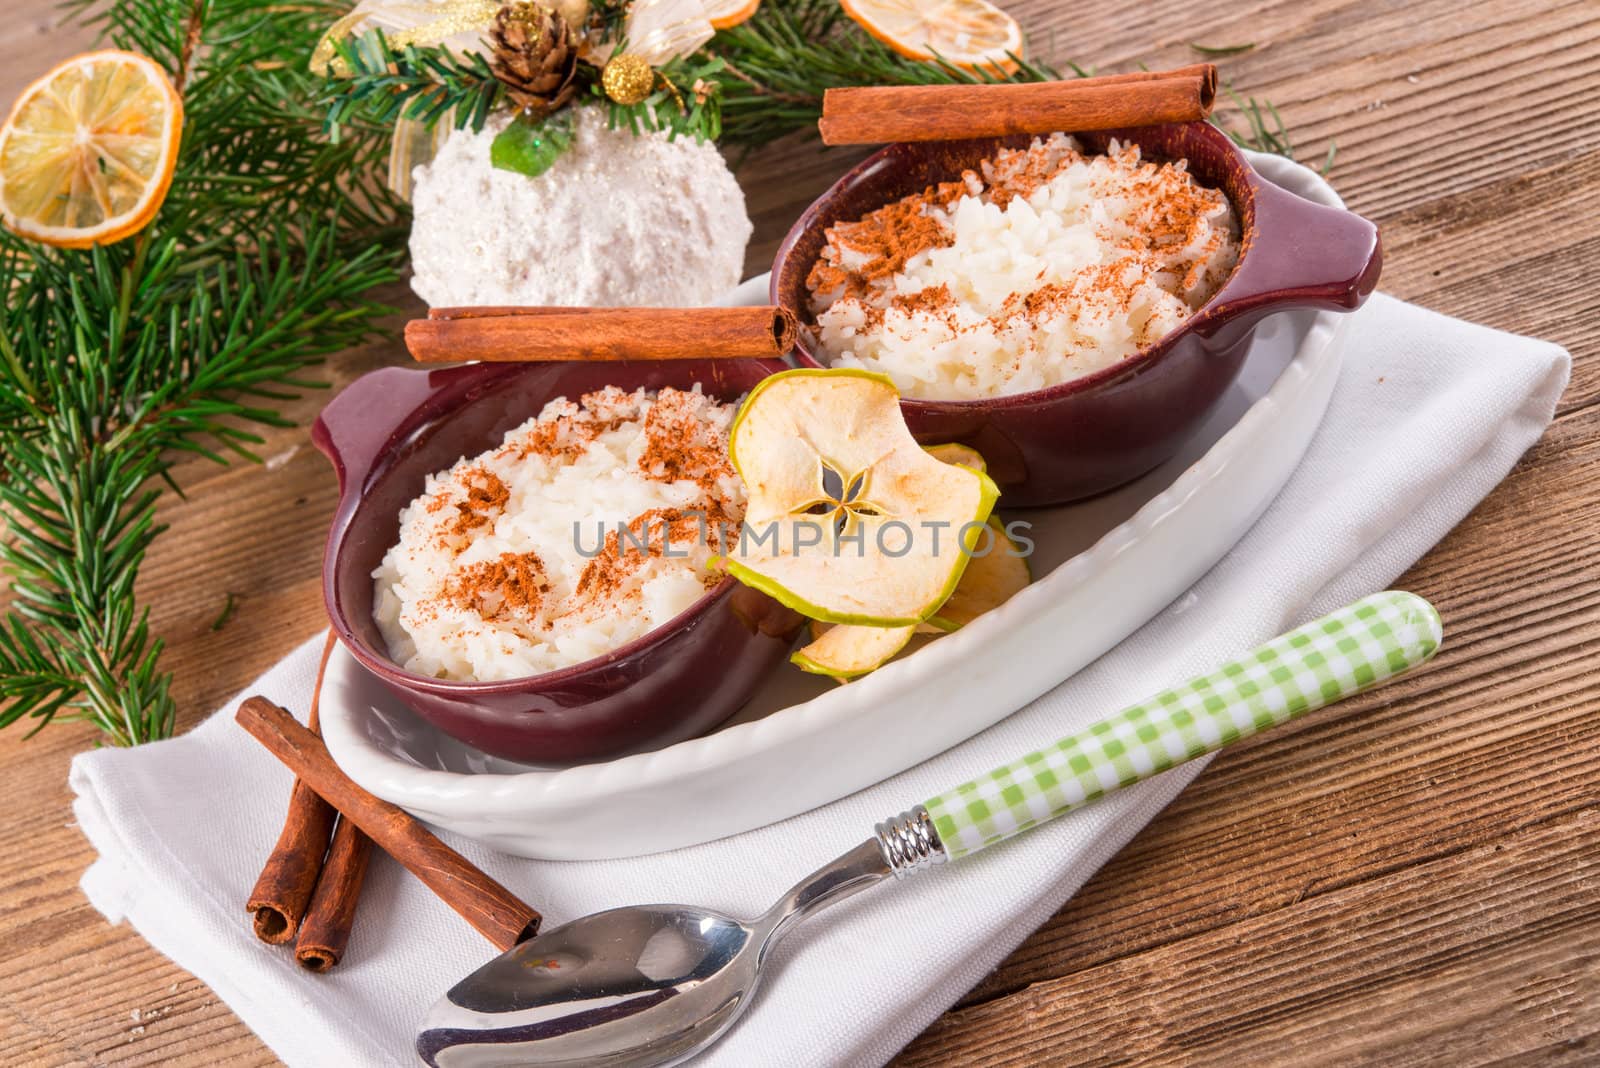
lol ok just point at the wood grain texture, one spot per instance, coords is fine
(1312, 898)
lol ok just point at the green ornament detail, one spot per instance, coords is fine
(530, 146)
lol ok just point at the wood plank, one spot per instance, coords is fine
(1502, 731)
(32, 39)
(1487, 952)
(1466, 254)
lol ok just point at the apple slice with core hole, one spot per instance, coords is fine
(848, 520)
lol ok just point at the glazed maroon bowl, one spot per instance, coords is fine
(1094, 433)
(392, 428)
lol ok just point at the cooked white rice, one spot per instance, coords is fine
(488, 581)
(1054, 265)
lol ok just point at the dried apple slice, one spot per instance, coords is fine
(845, 652)
(848, 519)
(953, 453)
(989, 582)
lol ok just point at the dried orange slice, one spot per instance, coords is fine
(88, 151)
(967, 33)
(725, 13)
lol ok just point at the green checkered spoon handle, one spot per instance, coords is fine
(714, 960)
(1340, 654)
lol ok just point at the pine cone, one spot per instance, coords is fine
(535, 56)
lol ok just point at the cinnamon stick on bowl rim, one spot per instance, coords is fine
(506, 335)
(288, 879)
(874, 115)
(496, 912)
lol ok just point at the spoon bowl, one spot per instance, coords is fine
(644, 985)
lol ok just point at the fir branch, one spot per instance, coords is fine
(114, 361)
(379, 83)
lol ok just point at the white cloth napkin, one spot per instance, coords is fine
(1429, 414)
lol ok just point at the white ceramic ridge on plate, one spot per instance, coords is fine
(1102, 569)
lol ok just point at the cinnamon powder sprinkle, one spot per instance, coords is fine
(657, 531)
(880, 243)
(566, 437)
(1045, 264)
(932, 299)
(486, 498)
(511, 585)
(511, 563)
(678, 448)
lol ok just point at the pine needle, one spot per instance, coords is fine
(225, 615)
(115, 361)
(1219, 51)
(1266, 130)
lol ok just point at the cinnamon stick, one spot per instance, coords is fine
(287, 880)
(872, 115)
(539, 334)
(492, 909)
(326, 930)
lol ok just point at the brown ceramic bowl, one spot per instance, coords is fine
(1094, 433)
(392, 428)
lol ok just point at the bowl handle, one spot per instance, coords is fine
(1317, 256)
(359, 425)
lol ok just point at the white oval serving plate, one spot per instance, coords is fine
(1102, 568)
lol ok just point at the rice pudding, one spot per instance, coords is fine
(515, 562)
(1045, 265)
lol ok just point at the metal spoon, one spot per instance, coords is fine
(654, 984)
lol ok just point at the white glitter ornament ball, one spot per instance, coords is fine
(619, 219)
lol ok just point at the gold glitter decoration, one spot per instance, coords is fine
(457, 24)
(627, 79)
(531, 17)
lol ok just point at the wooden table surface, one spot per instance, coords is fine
(1409, 878)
